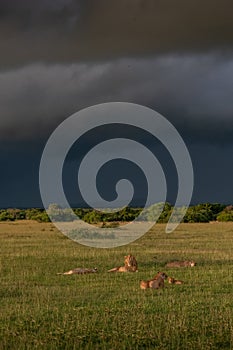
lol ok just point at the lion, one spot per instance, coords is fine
(181, 264)
(79, 271)
(158, 283)
(159, 274)
(131, 265)
(144, 284)
(131, 262)
(155, 283)
(172, 280)
(120, 269)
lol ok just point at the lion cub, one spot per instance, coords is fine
(172, 280)
(155, 283)
(131, 265)
(181, 264)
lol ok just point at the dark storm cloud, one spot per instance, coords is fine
(192, 92)
(67, 31)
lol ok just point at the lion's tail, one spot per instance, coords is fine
(115, 269)
(65, 273)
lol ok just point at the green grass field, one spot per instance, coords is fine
(43, 310)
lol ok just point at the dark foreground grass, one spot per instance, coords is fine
(43, 310)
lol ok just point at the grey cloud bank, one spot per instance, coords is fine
(58, 57)
(87, 30)
(194, 92)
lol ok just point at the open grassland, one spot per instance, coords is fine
(43, 310)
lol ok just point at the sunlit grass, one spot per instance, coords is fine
(43, 310)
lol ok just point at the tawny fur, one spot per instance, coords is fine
(181, 264)
(155, 283)
(159, 274)
(78, 271)
(144, 284)
(120, 269)
(131, 265)
(172, 280)
(158, 283)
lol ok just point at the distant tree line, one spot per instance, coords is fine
(205, 212)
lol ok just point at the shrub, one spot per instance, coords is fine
(226, 214)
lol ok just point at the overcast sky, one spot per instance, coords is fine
(58, 57)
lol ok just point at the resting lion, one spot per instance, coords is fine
(155, 283)
(172, 280)
(181, 264)
(131, 265)
(78, 271)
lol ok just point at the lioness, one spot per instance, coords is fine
(172, 280)
(131, 265)
(144, 284)
(131, 262)
(155, 283)
(159, 274)
(158, 283)
(78, 271)
(181, 264)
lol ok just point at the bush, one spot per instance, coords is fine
(226, 214)
(12, 214)
(56, 213)
(93, 217)
(194, 214)
(198, 213)
(205, 212)
(6, 216)
(152, 212)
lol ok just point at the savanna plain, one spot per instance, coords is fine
(43, 310)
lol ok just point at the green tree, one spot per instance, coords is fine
(203, 212)
(196, 214)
